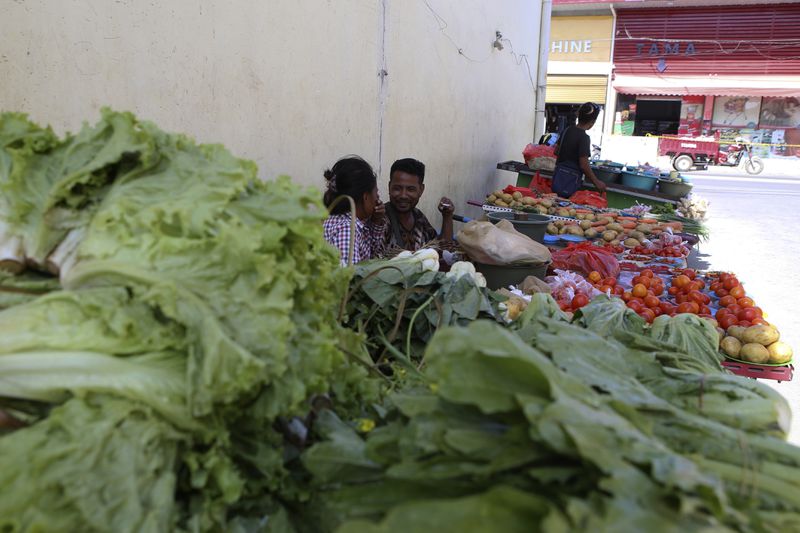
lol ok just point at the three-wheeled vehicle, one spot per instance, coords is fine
(688, 152)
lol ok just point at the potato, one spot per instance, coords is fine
(590, 233)
(563, 212)
(644, 228)
(552, 229)
(585, 224)
(516, 195)
(574, 230)
(563, 230)
(761, 334)
(779, 352)
(736, 331)
(541, 209)
(500, 203)
(731, 346)
(547, 203)
(616, 226)
(638, 235)
(609, 236)
(754, 353)
(631, 243)
(498, 193)
(491, 198)
(606, 220)
(721, 333)
(572, 212)
(528, 200)
(507, 198)
(615, 242)
(559, 223)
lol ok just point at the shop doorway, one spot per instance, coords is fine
(657, 117)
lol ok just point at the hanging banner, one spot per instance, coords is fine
(736, 111)
(691, 122)
(780, 113)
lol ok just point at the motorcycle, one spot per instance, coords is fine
(741, 153)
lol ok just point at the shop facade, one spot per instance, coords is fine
(579, 70)
(726, 71)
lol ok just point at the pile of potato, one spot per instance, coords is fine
(605, 227)
(757, 344)
(524, 203)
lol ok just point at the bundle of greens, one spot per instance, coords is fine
(165, 385)
(399, 303)
(555, 427)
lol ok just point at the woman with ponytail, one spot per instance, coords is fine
(352, 176)
(573, 150)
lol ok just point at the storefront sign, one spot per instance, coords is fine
(691, 122)
(783, 113)
(661, 49)
(581, 38)
(736, 111)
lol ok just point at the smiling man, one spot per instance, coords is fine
(408, 227)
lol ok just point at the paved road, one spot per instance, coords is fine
(751, 222)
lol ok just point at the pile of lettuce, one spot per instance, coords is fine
(557, 426)
(166, 378)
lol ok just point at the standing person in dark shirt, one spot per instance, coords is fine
(574, 145)
(408, 228)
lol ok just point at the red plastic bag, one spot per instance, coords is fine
(541, 184)
(524, 190)
(592, 198)
(584, 258)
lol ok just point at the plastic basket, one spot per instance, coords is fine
(674, 189)
(639, 181)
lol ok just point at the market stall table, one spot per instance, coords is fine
(619, 196)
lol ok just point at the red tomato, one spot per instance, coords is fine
(639, 290)
(721, 313)
(759, 312)
(721, 293)
(723, 276)
(714, 286)
(734, 309)
(747, 314)
(564, 306)
(648, 314)
(658, 290)
(681, 298)
(760, 320)
(696, 296)
(688, 307)
(704, 310)
(681, 281)
(619, 290)
(745, 323)
(626, 296)
(666, 308)
(737, 292)
(579, 301)
(595, 276)
(610, 282)
(672, 291)
(725, 301)
(647, 273)
(727, 321)
(695, 286)
(730, 283)
(651, 301)
(746, 302)
(635, 305)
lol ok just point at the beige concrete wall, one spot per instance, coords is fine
(291, 84)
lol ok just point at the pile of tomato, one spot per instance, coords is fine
(614, 248)
(667, 251)
(605, 285)
(687, 289)
(643, 298)
(736, 308)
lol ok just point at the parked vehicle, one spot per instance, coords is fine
(687, 152)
